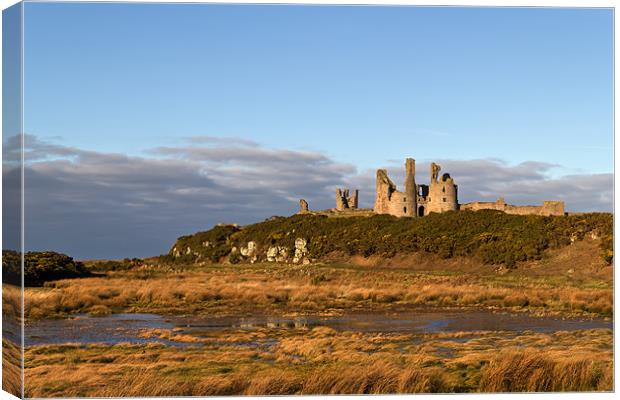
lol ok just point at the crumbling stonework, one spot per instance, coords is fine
(388, 200)
(303, 206)
(344, 201)
(439, 196)
(549, 207)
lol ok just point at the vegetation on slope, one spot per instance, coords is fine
(40, 267)
(567, 281)
(491, 236)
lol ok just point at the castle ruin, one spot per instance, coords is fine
(549, 207)
(344, 201)
(303, 206)
(440, 195)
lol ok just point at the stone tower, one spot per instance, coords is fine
(443, 193)
(410, 200)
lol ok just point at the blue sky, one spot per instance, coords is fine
(146, 122)
(362, 84)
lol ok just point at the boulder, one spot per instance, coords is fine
(301, 251)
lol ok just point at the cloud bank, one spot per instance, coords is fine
(105, 205)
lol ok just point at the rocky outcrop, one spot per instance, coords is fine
(250, 252)
(303, 206)
(281, 253)
(301, 251)
(277, 254)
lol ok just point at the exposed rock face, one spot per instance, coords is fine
(250, 252)
(277, 254)
(176, 253)
(301, 251)
(303, 206)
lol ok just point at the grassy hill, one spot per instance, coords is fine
(490, 236)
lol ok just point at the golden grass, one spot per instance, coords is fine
(322, 360)
(317, 288)
(343, 363)
(11, 352)
(377, 378)
(11, 368)
(11, 301)
(536, 371)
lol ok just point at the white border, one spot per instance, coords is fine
(477, 3)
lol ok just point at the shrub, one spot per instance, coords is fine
(40, 267)
(115, 265)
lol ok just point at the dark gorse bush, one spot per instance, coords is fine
(40, 267)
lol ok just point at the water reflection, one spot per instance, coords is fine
(118, 328)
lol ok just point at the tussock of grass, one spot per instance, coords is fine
(534, 371)
(11, 302)
(344, 363)
(11, 368)
(380, 378)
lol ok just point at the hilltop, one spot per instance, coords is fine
(488, 236)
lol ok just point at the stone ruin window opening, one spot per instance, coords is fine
(443, 189)
(444, 199)
(421, 211)
(405, 209)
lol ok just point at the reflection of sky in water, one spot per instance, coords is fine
(119, 328)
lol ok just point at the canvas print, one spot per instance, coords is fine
(279, 199)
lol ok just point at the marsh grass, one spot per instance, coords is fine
(322, 360)
(537, 371)
(11, 368)
(317, 288)
(341, 363)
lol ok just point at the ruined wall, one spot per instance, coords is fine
(553, 207)
(352, 201)
(422, 196)
(384, 189)
(549, 207)
(390, 201)
(344, 201)
(442, 193)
